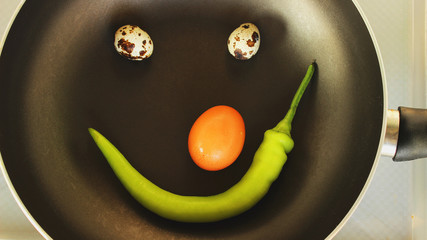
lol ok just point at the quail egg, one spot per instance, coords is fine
(244, 41)
(133, 43)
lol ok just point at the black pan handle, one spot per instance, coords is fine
(407, 128)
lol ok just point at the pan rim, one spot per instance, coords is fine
(9, 24)
(383, 128)
(18, 200)
(355, 205)
(3, 170)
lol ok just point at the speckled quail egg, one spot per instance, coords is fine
(134, 43)
(244, 41)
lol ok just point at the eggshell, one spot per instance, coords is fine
(243, 43)
(133, 43)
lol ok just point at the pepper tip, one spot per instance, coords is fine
(92, 132)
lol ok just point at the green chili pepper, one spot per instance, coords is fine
(265, 168)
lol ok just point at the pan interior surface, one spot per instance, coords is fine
(61, 75)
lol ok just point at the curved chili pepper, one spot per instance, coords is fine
(264, 170)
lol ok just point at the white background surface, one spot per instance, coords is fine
(394, 205)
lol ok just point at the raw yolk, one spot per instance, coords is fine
(216, 138)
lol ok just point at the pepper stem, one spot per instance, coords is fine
(285, 125)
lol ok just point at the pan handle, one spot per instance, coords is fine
(406, 134)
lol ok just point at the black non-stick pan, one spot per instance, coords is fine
(61, 75)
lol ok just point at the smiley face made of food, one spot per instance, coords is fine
(264, 170)
(217, 137)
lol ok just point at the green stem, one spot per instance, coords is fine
(285, 125)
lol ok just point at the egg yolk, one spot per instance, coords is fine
(216, 138)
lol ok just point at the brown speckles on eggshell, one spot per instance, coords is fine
(255, 38)
(250, 43)
(126, 45)
(238, 54)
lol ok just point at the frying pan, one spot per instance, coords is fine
(61, 75)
